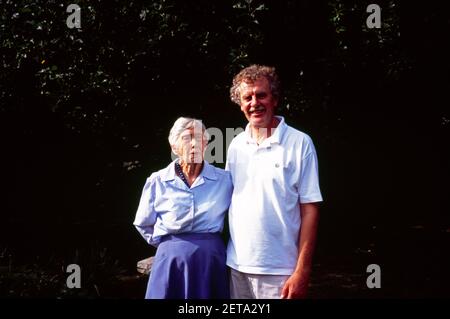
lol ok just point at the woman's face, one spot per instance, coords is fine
(191, 145)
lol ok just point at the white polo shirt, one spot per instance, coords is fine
(270, 180)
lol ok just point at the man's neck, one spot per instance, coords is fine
(259, 134)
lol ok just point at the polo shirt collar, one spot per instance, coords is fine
(275, 138)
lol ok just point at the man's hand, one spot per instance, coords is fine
(295, 287)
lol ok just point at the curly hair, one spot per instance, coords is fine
(251, 74)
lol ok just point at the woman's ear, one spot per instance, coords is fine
(174, 149)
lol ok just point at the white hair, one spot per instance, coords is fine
(182, 124)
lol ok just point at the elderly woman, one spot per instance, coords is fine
(181, 212)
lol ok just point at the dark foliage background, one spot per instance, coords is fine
(85, 114)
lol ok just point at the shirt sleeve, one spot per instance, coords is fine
(146, 216)
(309, 190)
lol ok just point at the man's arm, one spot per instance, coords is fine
(297, 284)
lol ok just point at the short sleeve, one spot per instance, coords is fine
(146, 216)
(309, 189)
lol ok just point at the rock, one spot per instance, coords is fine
(144, 266)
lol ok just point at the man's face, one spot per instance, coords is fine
(191, 145)
(257, 102)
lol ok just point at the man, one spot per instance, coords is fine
(274, 209)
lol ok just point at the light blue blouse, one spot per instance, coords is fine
(168, 206)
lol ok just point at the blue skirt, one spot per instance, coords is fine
(189, 266)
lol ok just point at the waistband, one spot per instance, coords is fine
(190, 236)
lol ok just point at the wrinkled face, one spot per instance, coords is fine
(258, 103)
(191, 145)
